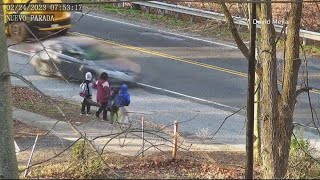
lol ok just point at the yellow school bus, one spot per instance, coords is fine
(18, 28)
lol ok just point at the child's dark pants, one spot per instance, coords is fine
(103, 108)
(85, 104)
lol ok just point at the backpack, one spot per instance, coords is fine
(84, 90)
(122, 100)
(126, 100)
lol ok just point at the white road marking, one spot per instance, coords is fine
(34, 78)
(187, 96)
(18, 52)
(176, 34)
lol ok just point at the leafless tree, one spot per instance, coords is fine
(8, 160)
(277, 107)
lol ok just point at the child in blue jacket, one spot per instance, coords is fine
(120, 99)
(123, 98)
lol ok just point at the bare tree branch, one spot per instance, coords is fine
(243, 48)
(300, 146)
(4, 74)
(304, 89)
(306, 83)
(225, 119)
(305, 126)
(45, 49)
(49, 159)
(240, 44)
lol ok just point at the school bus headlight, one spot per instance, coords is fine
(68, 14)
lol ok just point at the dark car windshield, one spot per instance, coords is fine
(95, 52)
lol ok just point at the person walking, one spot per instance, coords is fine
(120, 99)
(123, 97)
(103, 94)
(86, 93)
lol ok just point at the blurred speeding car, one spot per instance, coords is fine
(73, 57)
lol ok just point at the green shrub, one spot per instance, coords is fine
(85, 162)
(301, 164)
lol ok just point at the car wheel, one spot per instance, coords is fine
(44, 69)
(66, 76)
(18, 31)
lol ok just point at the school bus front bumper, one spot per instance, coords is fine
(54, 28)
(50, 26)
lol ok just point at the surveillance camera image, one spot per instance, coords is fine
(176, 89)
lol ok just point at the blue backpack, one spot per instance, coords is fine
(123, 97)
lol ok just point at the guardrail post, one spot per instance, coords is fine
(121, 5)
(304, 41)
(191, 19)
(147, 9)
(136, 7)
(176, 16)
(163, 12)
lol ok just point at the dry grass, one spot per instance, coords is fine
(22, 130)
(188, 165)
(27, 99)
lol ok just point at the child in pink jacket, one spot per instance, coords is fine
(103, 94)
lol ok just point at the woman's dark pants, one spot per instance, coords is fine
(103, 109)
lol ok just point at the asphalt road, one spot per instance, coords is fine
(173, 75)
(198, 81)
(167, 66)
(196, 120)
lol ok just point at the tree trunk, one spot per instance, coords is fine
(277, 109)
(257, 123)
(270, 96)
(8, 160)
(290, 77)
(257, 112)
